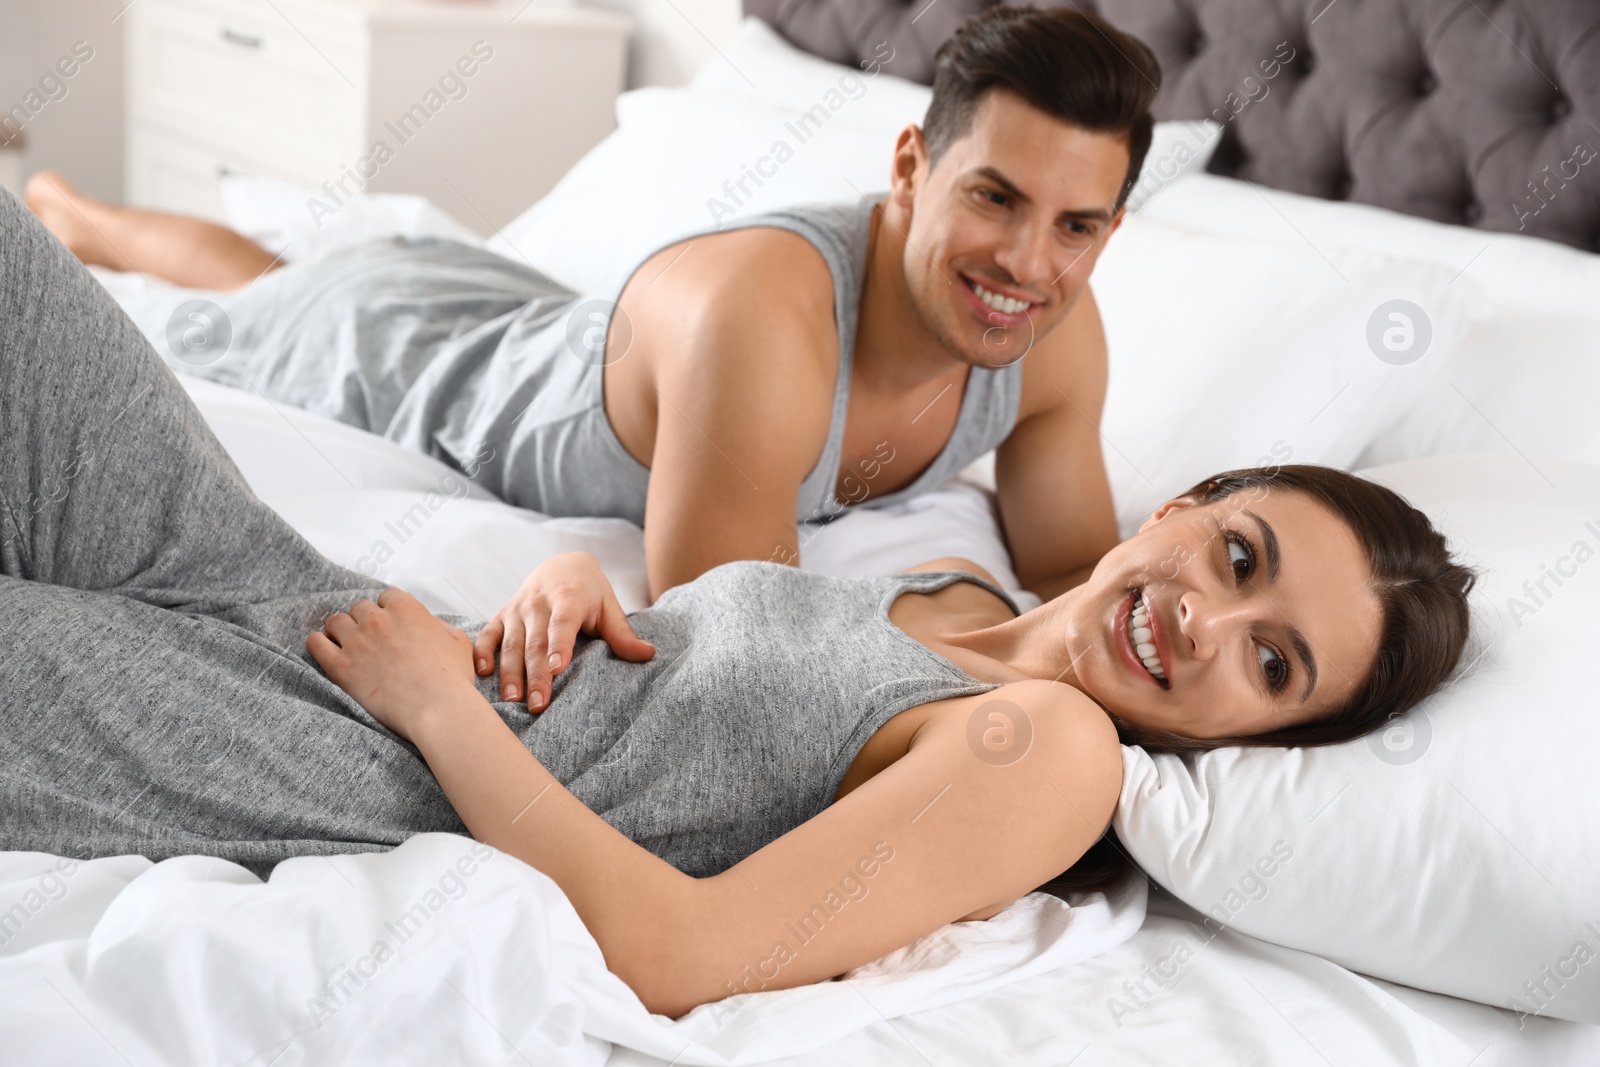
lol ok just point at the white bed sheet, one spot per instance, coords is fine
(195, 961)
(191, 970)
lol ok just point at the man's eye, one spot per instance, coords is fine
(1241, 558)
(994, 197)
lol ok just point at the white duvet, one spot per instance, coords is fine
(405, 957)
(440, 951)
(433, 954)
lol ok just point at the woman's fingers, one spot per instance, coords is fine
(512, 682)
(339, 626)
(536, 655)
(619, 635)
(322, 649)
(486, 644)
(564, 626)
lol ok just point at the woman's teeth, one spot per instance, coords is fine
(999, 303)
(1144, 639)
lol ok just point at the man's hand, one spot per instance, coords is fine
(396, 659)
(536, 630)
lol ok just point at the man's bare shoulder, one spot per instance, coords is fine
(736, 331)
(757, 272)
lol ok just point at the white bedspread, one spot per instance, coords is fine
(195, 961)
(427, 954)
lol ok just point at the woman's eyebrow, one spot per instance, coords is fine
(1297, 640)
(1269, 541)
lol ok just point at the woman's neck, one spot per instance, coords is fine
(1036, 644)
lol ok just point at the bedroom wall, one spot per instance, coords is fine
(72, 124)
(80, 132)
(675, 37)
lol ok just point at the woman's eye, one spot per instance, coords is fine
(1273, 667)
(1241, 560)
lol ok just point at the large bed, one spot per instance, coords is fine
(1425, 881)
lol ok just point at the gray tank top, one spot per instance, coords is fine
(988, 408)
(766, 683)
(498, 370)
(554, 449)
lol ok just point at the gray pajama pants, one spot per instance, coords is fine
(155, 692)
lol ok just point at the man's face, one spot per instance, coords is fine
(1004, 231)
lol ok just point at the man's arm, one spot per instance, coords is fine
(743, 406)
(1050, 475)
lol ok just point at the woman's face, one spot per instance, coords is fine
(1257, 613)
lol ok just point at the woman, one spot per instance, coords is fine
(765, 779)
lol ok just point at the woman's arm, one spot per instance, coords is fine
(943, 832)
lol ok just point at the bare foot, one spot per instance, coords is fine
(69, 215)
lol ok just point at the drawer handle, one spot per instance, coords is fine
(243, 40)
(225, 171)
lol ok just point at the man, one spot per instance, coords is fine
(801, 363)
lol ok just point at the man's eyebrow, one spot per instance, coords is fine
(1097, 214)
(1302, 647)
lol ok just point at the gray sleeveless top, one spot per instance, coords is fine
(567, 442)
(766, 683)
(488, 365)
(988, 408)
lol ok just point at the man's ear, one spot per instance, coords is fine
(909, 166)
(1116, 222)
(1175, 504)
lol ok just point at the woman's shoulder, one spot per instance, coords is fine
(952, 563)
(969, 593)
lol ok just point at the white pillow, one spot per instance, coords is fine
(674, 164)
(1228, 352)
(277, 215)
(1456, 850)
(670, 168)
(1525, 377)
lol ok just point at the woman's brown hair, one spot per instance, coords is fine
(1421, 590)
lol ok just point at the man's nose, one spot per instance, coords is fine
(1026, 257)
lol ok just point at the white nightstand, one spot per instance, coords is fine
(479, 106)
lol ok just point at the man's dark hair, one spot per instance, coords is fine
(1065, 63)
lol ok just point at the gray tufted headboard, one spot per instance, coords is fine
(1483, 113)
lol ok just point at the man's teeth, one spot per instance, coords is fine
(1144, 639)
(998, 302)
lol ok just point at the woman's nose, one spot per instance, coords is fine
(1205, 623)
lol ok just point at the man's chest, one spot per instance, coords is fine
(890, 440)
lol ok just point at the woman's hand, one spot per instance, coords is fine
(537, 628)
(399, 662)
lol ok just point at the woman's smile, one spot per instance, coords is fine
(1141, 639)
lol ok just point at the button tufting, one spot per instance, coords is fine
(1342, 187)
(1305, 61)
(1471, 212)
(1559, 108)
(1197, 44)
(1427, 83)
